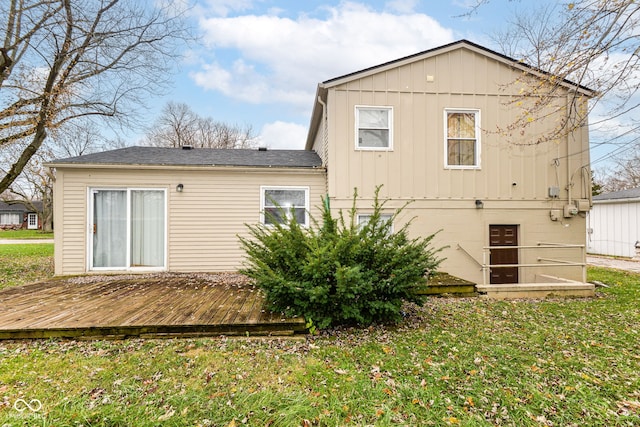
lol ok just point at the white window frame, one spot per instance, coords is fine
(128, 267)
(477, 145)
(383, 217)
(389, 110)
(265, 188)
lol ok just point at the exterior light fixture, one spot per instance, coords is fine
(179, 188)
(479, 204)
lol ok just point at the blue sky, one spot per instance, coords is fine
(258, 62)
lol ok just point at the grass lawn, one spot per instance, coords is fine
(24, 234)
(467, 362)
(25, 263)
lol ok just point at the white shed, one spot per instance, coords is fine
(613, 224)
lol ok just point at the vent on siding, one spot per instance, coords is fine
(187, 147)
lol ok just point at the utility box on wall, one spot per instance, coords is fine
(583, 205)
(570, 211)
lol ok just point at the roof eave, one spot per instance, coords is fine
(316, 115)
(619, 200)
(138, 166)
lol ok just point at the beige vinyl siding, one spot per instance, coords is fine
(203, 220)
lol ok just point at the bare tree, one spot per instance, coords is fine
(624, 173)
(592, 43)
(79, 137)
(179, 125)
(61, 60)
(174, 128)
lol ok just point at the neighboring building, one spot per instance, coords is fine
(15, 216)
(421, 126)
(613, 225)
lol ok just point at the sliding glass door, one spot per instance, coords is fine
(128, 229)
(109, 228)
(147, 228)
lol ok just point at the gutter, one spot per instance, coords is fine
(611, 201)
(131, 166)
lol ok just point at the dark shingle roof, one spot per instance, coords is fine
(197, 157)
(20, 207)
(632, 193)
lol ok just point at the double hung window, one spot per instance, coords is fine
(374, 128)
(278, 204)
(363, 219)
(462, 142)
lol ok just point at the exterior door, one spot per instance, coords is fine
(32, 221)
(109, 229)
(127, 229)
(503, 235)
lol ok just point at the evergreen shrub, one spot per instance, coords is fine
(338, 272)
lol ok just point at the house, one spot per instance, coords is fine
(17, 215)
(613, 225)
(422, 126)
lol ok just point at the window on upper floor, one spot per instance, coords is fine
(374, 128)
(462, 141)
(279, 203)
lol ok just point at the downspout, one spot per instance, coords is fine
(569, 175)
(325, 138)
(324, 106)
(325, 148)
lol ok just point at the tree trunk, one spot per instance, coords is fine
(27, 154)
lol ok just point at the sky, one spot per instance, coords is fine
(258, 62)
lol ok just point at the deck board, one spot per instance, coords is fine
(160, 305)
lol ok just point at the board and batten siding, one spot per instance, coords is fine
(514, 176)
(203, 221)
(462, 79)
(463, 232)
(613, 227)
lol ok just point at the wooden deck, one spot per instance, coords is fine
(164, 305)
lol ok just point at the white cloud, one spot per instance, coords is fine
(279, 59)
(283, 135)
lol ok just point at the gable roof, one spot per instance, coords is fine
(631, 193)
(321, 92)
(162, 156)
(20, 207)
(444, 48)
